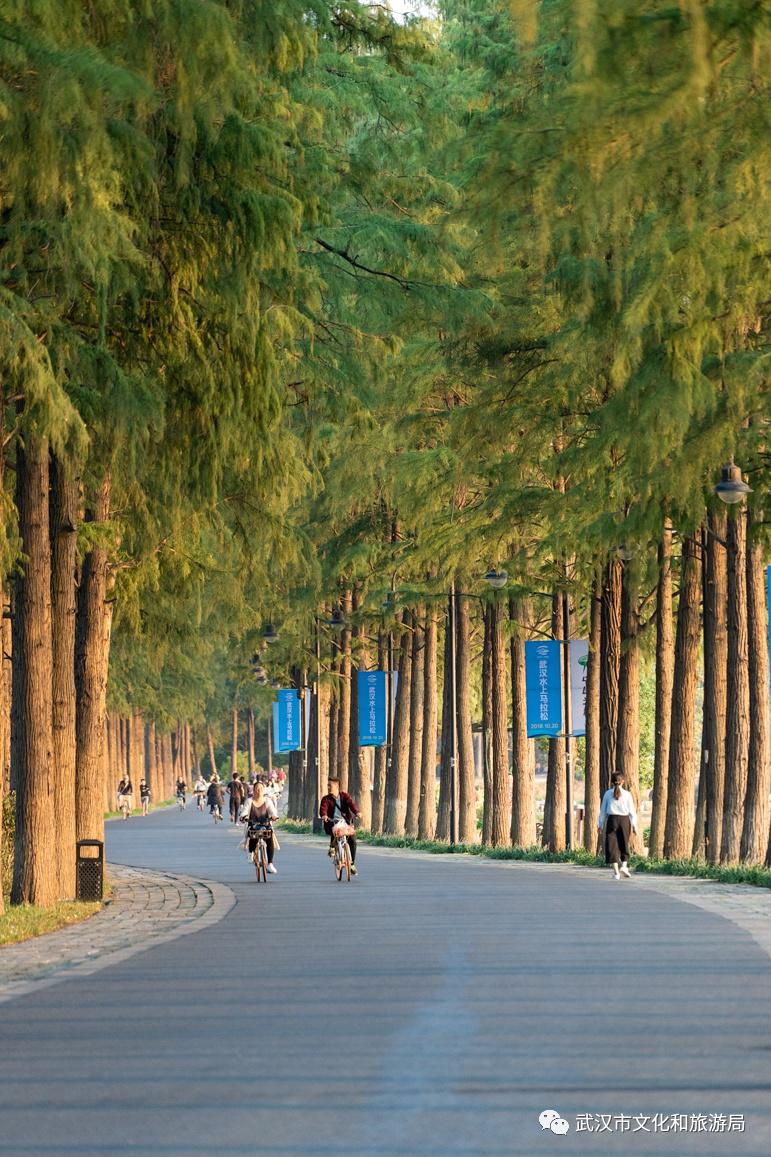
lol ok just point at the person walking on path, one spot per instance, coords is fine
(261, 814)
(620, 819)
(144, 795)
(236, 790)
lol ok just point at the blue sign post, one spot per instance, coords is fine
(372, 708)
(543, 676)
(287, 722)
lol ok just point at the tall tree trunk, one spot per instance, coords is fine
(396, 787)
(427, 813)
(6, 681)
(35, 877)
(210, 745)
(64, 497)
(344, 710)
(334, 704)
(467, 820)
(665, 666)
(738, 711)
(92, 667)
(444, 805)
(699, 844)
(359, 775)
(756, 811)
(610, 670)
(628, 741)
(592, 794)
(501, 809)
(250, 736)
(416, 724)
(554, 835)
(523, 778)
(487, 726)
(151, 760)
(381, 753)
(715, 676)
(138, 749)
(678, 832)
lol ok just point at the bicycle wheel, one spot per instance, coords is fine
(260, 862)
(337, 862)
(346, 861)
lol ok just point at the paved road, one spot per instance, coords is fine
(432, 1008)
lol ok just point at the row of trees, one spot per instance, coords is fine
(301, 305)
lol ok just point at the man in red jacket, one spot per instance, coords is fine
(334, 806)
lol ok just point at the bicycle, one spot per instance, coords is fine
(260, 853)
(181, 800)
(216, 812)
(199, 800)
(124, 805)
(341, 861)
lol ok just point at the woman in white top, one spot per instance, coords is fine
(260, 812)
(619, 815)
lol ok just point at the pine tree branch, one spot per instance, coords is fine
(356, 264)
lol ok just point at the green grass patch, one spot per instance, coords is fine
(756, 875)
(23, 921)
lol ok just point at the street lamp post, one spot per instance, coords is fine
(568, 719)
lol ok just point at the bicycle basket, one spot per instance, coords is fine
(341, 828)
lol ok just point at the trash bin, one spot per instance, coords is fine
(89, 872)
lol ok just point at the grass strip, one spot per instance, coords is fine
(23, 921)
(756, 875)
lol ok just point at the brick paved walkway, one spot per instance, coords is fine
(146, 909)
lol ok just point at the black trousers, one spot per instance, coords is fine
(618, 832)
(270, 847)
(351, 840)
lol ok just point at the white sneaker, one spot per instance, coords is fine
(616, 876)
(625, 872)
(272, 869)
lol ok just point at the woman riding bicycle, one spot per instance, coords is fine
(259, 818)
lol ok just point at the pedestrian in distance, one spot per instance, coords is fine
(236, 791)
(619, 816)
(144, 795)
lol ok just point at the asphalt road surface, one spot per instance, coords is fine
(433, 1007)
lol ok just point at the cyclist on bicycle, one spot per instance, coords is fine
(260, 817)
(199, 787)
(338, 805)
(215, 796)
(181, 790)
(125, 796)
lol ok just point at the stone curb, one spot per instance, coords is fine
(148, 908)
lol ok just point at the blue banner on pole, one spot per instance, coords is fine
(287, 723)
(372, 708)
(543, 676)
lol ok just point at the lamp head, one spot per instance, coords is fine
(732, 488)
